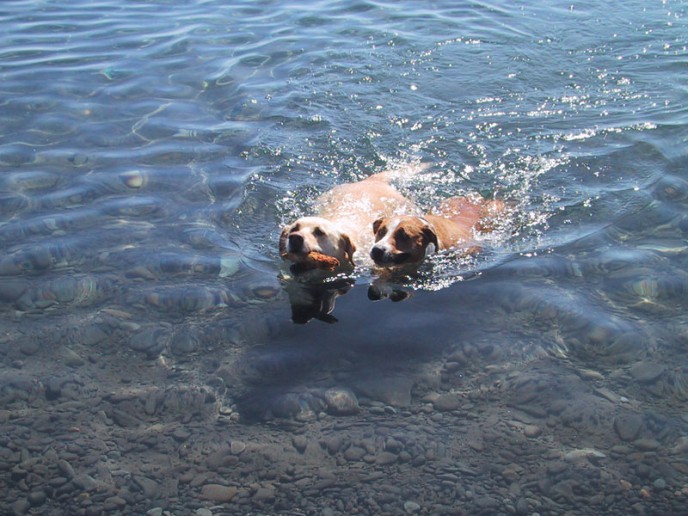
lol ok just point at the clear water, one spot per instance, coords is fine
(151, 151)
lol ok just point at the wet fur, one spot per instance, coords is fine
(407, 240)
(343, 218)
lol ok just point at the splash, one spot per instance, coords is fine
(514, 179)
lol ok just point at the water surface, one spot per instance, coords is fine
(150, 153)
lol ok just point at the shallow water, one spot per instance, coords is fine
(150, 153)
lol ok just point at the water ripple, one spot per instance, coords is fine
(150, 152)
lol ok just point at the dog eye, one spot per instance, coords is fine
(401, 235)
(296, 227)
(318, 232)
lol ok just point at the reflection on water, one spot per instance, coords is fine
(156, 355)
(314, 297)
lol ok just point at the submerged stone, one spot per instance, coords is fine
(647, 372)
(218, 493)
(627, 427)
(341, 401)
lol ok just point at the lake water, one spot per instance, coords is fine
(150, 153)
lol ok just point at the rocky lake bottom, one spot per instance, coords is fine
(92, 426)
(150, 360)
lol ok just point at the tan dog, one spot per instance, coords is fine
(343, 219)
(407, 240)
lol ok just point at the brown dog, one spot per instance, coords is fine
(343, 218)
(407, 240)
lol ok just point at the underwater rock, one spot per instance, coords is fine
(189, 298)
(647, 372)
(218, 493)
(151, 341)
(185, 341)
(628, 427)
(341, 401)
(77, 291)
(11, 289)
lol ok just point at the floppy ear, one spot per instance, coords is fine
(283, 242)
(376, 225)
(431, 237)
(349, 248)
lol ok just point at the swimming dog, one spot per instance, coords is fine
(407, 240)
(342, 220)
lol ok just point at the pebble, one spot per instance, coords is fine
(30, 346)
(341, 401)
(486, 502)
(66, 468)
(591, 374)
(184, 342)
(151, 342)
(12, 289)
(218, 493)
(237, 447)
(625, 484)
(447, 402)
(647, 372)
(608, 395)
(532, 431)
(86, 482)
(584, 453)
(393, 445)
(180, 435)
(93, 334)
(71, 358)
(123, 419)
(133, 178)
(411, 507)
(354, 453)
(229, 265)
(556, 467)
(659, 484)
(300, 443)
(37, 498)
(264, 494)
(117, 501)
(394, 391)
(333, 444)
(646, 444)
(511, 474)
(628, 426)
(21, 506)
(681, 445)
(150, 488)
(385, 458)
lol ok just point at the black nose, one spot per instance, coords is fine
(295, 242)
(377, 254)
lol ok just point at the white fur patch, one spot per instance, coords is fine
(385, 241)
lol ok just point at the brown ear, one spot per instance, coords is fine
(431, 236)
(376, 225)
(349, 248)
(283, 242)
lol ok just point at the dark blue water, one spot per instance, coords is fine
(150, 153)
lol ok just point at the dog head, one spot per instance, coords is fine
(403, 240)
(315, 234)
